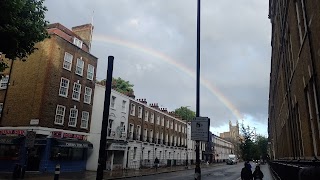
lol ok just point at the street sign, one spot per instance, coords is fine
(34, 121)
(30, 138)
(200, 129)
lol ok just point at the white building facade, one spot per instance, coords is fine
(222, 148)
(116, 146)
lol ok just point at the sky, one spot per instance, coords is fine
(154, 46)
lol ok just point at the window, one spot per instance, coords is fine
(79, 67)
(110, 127)
(139, 112)
(150, 135)
(113, 101)
(67, 62)
(171, 125)
(134, 152)
(77, 42)
(145, 135)
(133, 110)
(84, 119)
(73, 117)
(158, 120)
(59, 117)
(138, 131)
(67, 153)
(4, 82)
(148, 155)
(124, 106)
(146, 116)
(9, 152)
(175, 126)
(162, 121)
(87, 95)
(131, 128)
(157, 136)
(90, 72)
(152, 118)
(64, 87)
(168, 123)
(76, 91)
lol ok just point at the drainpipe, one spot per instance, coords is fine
(314, 74)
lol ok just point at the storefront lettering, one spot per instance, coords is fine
(76, 145)
(10, 131)
(59, 134)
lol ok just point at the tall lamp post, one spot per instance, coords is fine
(197, 175)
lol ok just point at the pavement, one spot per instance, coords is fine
(212, 171)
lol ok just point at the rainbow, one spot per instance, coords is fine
(204, 82)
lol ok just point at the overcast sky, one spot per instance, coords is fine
(154, 45)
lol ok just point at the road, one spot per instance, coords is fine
(224, 172)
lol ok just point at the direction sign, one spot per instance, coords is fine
(200, 129)
(30, 137)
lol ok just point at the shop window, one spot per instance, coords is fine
(10, 152)
(66, 153)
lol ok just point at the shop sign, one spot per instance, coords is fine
(76, 145)
(12, 132)
(117, 147)
(59, 135)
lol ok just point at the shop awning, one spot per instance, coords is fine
(11, 139)
(73, 143)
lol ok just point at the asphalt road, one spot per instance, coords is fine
(224, 172)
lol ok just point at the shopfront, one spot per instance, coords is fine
(68, 150)
(11, 148)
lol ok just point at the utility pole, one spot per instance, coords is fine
(103, 140)
(197, 175)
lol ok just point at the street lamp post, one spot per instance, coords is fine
(197, 169)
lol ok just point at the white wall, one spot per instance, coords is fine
(115, 113)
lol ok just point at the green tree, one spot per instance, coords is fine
(246, 144)
(262, 146)
(22, 25)
(185, 113)
(120, 85)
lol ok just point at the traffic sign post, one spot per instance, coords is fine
(200, 129)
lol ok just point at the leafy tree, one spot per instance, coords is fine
(120, 85)
(253, 149)
(185, 113)
(22, 25)
(246, 144)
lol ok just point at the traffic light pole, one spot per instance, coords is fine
(197, 175)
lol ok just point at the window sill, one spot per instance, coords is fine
(76, 99)
(58, 124)
(63, 96)
(67, 69)
(85, 128)
(81, 75)
(73, 126)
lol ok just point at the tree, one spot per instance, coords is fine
(120, 85)
(253, 149)
(185, 113)
(22, 25)
(246, 144)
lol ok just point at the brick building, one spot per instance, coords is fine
(154, 132)
(294, 122)
(50, 94)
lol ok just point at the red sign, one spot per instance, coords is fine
(10, 131)
(59, 134)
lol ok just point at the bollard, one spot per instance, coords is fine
(57, 172)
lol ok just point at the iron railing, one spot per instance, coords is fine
(295, 169)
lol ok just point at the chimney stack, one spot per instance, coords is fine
(85, 33)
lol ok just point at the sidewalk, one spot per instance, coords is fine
(89, 175)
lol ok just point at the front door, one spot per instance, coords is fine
(34, 158)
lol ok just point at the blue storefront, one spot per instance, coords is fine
(48, 151)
